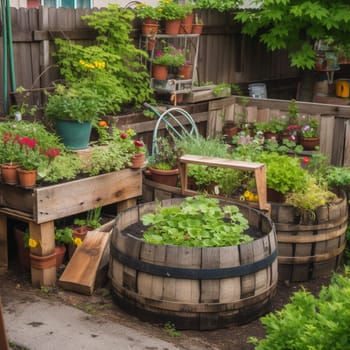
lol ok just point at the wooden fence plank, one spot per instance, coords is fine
(347, 144)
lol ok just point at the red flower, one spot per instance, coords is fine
(138, 143)
(52, 152)
(123, 135)
(306, 160)
(31, 143)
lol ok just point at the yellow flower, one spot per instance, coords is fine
(32, 243)
(78, 242)
(82, 62)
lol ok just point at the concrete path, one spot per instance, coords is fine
(39, 324)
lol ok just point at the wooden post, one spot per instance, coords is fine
(44, 234)
(3, 244)
(4, 345)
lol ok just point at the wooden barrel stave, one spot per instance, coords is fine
(313, 249)
(194, 303)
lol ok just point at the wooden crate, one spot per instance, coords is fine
(43, 204)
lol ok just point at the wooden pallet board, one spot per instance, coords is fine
(88, 263)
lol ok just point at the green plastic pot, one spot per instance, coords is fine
(74, 135)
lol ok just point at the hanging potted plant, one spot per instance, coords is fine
(73, 110)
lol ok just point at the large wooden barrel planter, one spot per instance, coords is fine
(310, 250)
(194, 288)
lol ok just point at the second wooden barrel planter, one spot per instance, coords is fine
(313, 249)
(194, 288)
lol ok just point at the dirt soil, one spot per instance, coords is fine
(17, 285)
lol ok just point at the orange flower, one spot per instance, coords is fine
(102, 123)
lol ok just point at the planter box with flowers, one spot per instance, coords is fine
(106, 172)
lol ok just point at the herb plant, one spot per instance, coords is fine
(197, 222)
(310, 322)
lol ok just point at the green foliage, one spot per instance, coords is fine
(170, 9)
(112, 68)
(165, 156)
(104, 159)
(63, 236)
(307, 200)
(63, 168)
(144, 11)
(295, 25)
(219, 5)
(286, 147)
(338, 177)
(93, 218)
(170, 330)
(310, 322)
(283, 173)
(275, 125)
(170, 56)
(197, 222)
(76, 103)
(23, 108)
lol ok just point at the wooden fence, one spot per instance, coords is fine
(225, 55)
(210, 116)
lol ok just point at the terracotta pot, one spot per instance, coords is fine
(138, 160)
(165, 177)
(27, 178)
(60, 251)
(186, 24)
(160, 72)
(185, 71)
(230, 130)
(197, 28)
(149, 21)
(149, 29)
(9, 173)
(172, 27)
(43, 262)
(309, 143)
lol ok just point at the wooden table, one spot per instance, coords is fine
(41, 206)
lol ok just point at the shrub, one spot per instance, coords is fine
(310, 322)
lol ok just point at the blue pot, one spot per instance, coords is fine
(74, 135)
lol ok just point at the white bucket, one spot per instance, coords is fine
(257, 90)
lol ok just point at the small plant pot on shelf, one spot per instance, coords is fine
(149, 29)
(27, 178)
(186, 24)
(197, 28)
(166, 177)
(160, 72)
(9, 173)
(172, 27)
(309, 143)
(138, 161)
